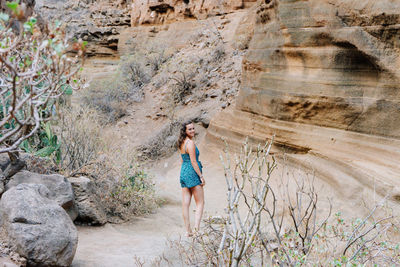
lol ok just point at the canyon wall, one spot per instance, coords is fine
(99, 22)
(323, 76)
(164, 11)
(327, 63)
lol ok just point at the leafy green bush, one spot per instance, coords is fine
(44, 143)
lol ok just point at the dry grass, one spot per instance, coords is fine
(161, 144)
(79, 132)
(108, 97)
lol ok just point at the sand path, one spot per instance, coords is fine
(146, 237)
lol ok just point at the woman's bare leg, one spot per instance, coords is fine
(186, 198)
(198, 194)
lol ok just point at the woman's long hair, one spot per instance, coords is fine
(182, 134)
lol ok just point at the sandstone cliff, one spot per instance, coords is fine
(323, 76)
(163, 11)
(97, 22)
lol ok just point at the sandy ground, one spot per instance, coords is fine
(146, 237)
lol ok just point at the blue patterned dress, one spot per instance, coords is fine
(189, 177)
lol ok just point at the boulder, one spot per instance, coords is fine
(60, 188)
(37, 227)
(88, 205)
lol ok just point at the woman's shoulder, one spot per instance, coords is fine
(190, 143)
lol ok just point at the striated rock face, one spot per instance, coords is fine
(164, 11)
(97, 22)
(37, 227)
(324, 63)
(100, 23)
(324, 76)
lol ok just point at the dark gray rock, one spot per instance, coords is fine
(2, 182)
(4, 161)
(88, 204)
(59, 187)
(37, 227)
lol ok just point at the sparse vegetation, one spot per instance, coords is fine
(111, 96)
(80, 142)
(219, 53)
(284, 226)
(124, 188)
(162, 143)
(183, 85)
(107, 97)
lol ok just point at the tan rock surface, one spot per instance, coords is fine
(323, 76)
(159, 12)
(97, 22)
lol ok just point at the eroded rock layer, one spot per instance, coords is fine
(321, 63)
(324, 77)
(162, 11)
(99, 22)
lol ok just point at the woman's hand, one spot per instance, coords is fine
(203, 182)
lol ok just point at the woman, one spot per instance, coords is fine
(191, 178)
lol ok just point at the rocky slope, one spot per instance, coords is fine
(323, 76)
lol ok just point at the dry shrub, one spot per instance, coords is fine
(111, 96)
(183, 85)
(164, 141)
(157, 58)
(124, 188)
(218, 53)
(39, 164)
(108, 97)
(286, 229)
(79, 132)
(135, 74)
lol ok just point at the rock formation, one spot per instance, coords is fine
(159, 12)
(60, 188)
(89, 210)
(97, 22)
(323, 76)
(37, 227)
